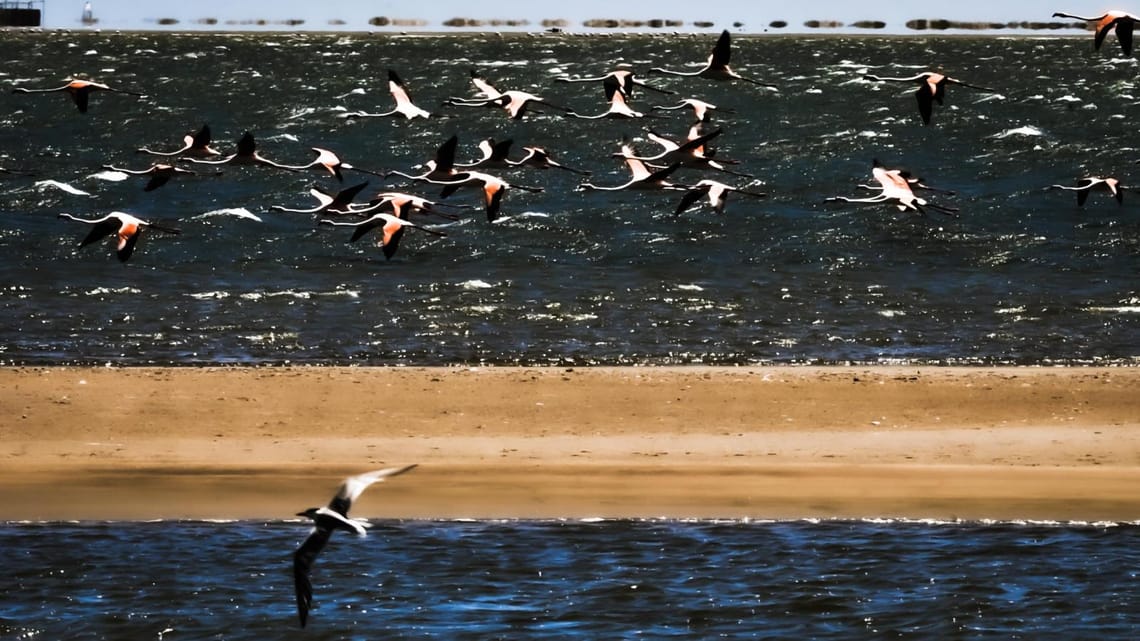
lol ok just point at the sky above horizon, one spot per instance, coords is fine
(355, 14)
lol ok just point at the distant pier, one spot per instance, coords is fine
(21, 14)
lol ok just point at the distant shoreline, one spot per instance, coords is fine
(463, 25)
(427, 33)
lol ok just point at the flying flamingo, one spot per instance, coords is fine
(159, 173)
(485, 93)
(124, 227)
(895, 187)
(391, 228)
(1085, 186)
(539, 158)
(619, 108)
(340, 202)
(494, 189)
(494, 154)
(246, 154)
(439, 169)
(903, 182)
(641, 177)
(484, 89)
(625, 78)
(701, 109)
(898, 176)
(327, 160)
(716, 68)
(404, 106)
(197, 144)
(690, 153)
(79, 90)
(515, 103)
(1122, 21)
(716, 192)
(931, 89)
(401, 202)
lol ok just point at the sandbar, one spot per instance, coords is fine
(780, 442)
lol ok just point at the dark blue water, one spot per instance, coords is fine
(575, 580)
(1023, 276)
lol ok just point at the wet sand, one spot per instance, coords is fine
(747, 442)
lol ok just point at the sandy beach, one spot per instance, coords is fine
(746, 442)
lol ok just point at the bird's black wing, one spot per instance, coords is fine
(156, 180)
(612, 85)
(80, 97)
(302, 569)
(389, 248)
(452, 187)
(339, 504)
(100, 231)
(128, 247)
(925, 99)
(690, 197)
(662, 174)
(500, 150)
(1101, 33)
(494, 204)
(345, 196)
(1124, 35)
(940, 90)
(700, 141)
(723, 49)
(445, 155)
(246, 146)
(202, 139)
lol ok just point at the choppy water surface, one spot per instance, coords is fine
(1023, 276)
(575, 580)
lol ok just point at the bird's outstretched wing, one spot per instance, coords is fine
(81, 98)
(246, 145)
(302, 569)
(354, 485)
(345, 196)
(662, 174)
(722, 51)
(203, 138)
(100, 231)
(156, 180)
(127, 247)
(358, 233)
(925, 97)
(445, 155)
(690, 197)
(1124, 35)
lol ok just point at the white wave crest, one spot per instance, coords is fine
(237, 212)
(1027, 130)
(110, 176)
(55, 184)
(475, 284)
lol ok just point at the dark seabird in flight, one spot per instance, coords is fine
(326, 520)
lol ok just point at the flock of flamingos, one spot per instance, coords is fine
(389, 212)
